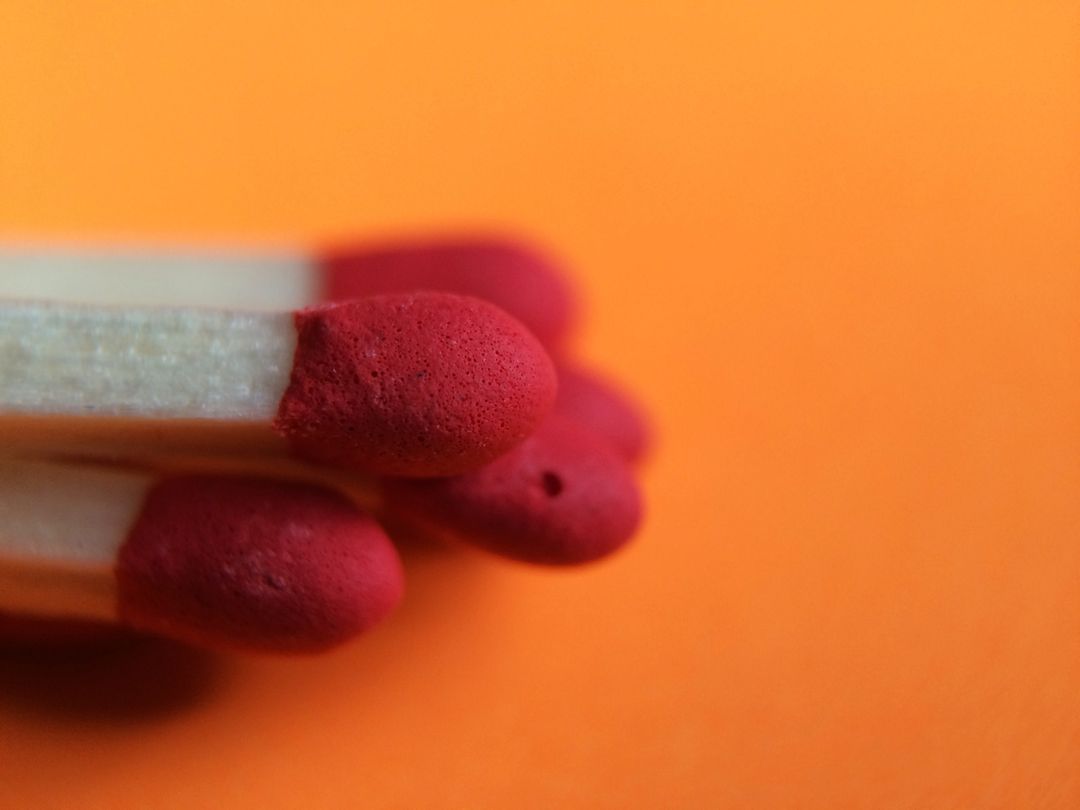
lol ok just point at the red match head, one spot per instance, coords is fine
(255, 564)
(415, 384)
(563, 497)
(518, 279)
(597, 403)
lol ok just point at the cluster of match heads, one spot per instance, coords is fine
(211, 448)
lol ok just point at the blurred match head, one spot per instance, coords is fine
(603, 407)
(518, 278)
(563, 497)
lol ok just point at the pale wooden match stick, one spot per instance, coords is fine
(221, 561)
(517, 278)
(412, 384)
(175, 276)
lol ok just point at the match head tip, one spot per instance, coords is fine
(416, 384)
(253, 564)
(516, 277)
(564, 497)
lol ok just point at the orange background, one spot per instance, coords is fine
(833, 244)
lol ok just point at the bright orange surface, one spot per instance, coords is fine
(835, 247)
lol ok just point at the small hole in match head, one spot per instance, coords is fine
(551, 483)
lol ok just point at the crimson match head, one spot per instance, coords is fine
(561, 498)
(254, 564)
(519, 279)
(599, 404)
(416, 384)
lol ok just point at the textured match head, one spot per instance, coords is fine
(563, 497)
(414, 384)
(253, 564)
(519, 279)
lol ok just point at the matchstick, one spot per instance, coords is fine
(221, 561)
(517, 278)
(565, 496)
(597, 506)
(409, 384)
